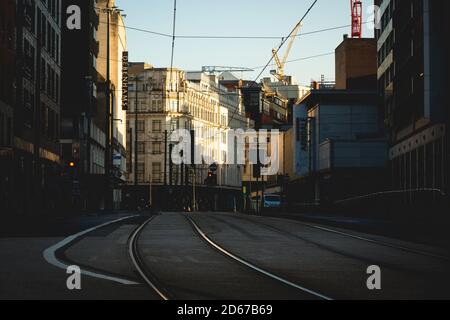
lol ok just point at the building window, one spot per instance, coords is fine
(157, 147)
(157, 125)
(143, 106)
(141, 126)
(174, 106)
(141, 147)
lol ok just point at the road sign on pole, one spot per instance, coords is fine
(213, 167)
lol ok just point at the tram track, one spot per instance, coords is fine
(167, 292)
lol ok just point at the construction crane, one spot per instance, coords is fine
(356, 7)
(279, 73)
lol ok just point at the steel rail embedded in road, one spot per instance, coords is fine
(137, 261)
(316, 243)
(381, 243)
(252, 266)
(365, 239)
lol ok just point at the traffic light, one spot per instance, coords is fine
(72, 169)
(257, 170)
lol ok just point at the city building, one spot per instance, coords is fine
(413, 82)
(115, 156)
(290, 90)
(83, 127)
(163, 100)
(36, 111)
(268, 108)
(7, 99)
(339, 147)
(356, 64)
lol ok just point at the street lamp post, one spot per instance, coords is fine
(194, 191)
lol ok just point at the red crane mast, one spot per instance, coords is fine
(356, 6)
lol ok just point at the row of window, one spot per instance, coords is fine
(156, 147)
(156, 126)
(50, 81)
(421, 168)
(143, 106)
(54, 8)
(387, 78)
(49, 123)
(386, 18)
(49, 118)
(49, 78)
(50, 39)
(198, 112)
(386, 49)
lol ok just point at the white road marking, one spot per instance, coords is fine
(50, 254)
(251, 266)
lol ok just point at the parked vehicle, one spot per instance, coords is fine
(272, 201)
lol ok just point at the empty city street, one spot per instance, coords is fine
(215, 256)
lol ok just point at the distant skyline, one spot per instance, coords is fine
(235, 18)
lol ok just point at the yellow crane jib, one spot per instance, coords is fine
(279, 73)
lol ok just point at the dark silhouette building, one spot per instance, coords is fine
(83, 114)
(413, 82)
(30, 92)
(7, 99)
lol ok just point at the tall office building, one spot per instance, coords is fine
(83, 136)
(36, 111)
(7, 99)
(413, 80)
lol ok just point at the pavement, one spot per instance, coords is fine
(229, 256)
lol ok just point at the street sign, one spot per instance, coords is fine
(213, 167)
(117, 160)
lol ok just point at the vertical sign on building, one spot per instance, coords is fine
(303, 148)
(125, 80)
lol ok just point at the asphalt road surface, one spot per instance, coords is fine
(211, 256)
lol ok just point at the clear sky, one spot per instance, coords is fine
(238, 18)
